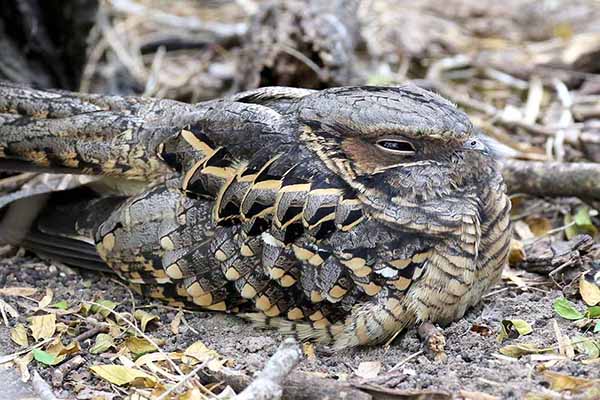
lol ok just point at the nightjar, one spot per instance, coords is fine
(342, 215)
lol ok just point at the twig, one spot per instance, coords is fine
(182, 381)
(553, 178)
(268, 384)
(188, 23)
(407, 359)
(92, 332)
(58, 375)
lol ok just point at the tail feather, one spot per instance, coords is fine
(94, 135)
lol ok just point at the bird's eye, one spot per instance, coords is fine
(396, 146)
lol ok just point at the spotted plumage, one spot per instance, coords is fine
(342, 215)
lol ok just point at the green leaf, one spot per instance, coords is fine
(566, 309)
(593, 312)
(46, 358)
(597, 327)
(63, 305)
(583, 223)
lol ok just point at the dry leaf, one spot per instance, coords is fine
(47, 299)
(120, 375)
(19, 335)
(590, 292)
(7, 310)
(562, 382)
(103, 307)
(151, 362)
(539, 225)
(564, 344)
(139, 346)
(518, 350)
(309, 350)
(18, 291)
(517, 252)
(22, 364)
(144, 318)
(43, 326)
(176, 323)
(103, 342)
(192, 394)
(197, 353)
(482, 330)
(368, 369)
(523, 230)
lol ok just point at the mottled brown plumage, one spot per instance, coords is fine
(342, 215)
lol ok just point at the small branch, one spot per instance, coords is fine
(187, 23)
(268, 384)
(58, 375)
(553, 178)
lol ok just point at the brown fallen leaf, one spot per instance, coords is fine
(517, 252)
(560, 382)
(120, 375)
(43, 326)
(467, 395)
(368, 369)
(538, 225)
(139, 346)
(521, 349)
(144, 317)
(47, 299)
(309, 350)
(22, 364)
(19, 335)
(176, 323)
(18, 291)
(590, 292)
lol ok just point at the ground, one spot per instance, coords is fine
(473, 364)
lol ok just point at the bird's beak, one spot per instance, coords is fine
(476, 143)
(489, 146)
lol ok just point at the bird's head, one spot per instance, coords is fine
(395, 144)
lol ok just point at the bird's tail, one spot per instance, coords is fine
(65, 132)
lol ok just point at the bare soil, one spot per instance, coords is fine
(473, 362)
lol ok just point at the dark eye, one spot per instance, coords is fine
(396, 146)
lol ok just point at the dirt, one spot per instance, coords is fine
(473, 362)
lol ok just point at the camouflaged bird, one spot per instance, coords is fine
(342, 215)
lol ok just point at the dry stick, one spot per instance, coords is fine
(268, 384)
(92, 332)
(553, 178)
(491, 111)
(58, 375)
(188, 23)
